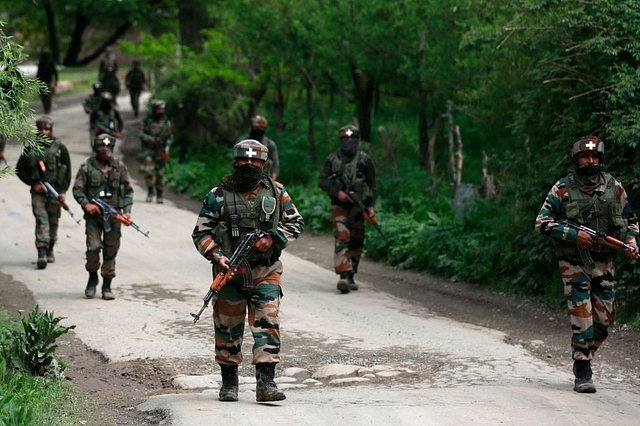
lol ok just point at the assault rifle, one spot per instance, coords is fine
(360, 205)
(109, 212)
(599, 238)
(53, 193)
(238, 260)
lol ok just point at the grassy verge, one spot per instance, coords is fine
(26, 399)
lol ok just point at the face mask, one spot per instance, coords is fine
(590, 170)
(104, 153)
(247, 176)
(349, 147)
(256, 134)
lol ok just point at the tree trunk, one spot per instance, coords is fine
(425, 153)
(191, 15)
(310, 132)
(323, 111)
(53, 33)
(75, 45)
(388, 151)
(364, 92)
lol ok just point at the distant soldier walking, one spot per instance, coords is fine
(54, 167)
(156, 136)
(135, 82)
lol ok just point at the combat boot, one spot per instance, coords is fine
(352, 284)
(42, 258)
(266, 388)
(343, 283)
(149, 194)
(159, 199)
(50, 256)
(582, 372)
(107, 294)
(90, 291)
(229, 389)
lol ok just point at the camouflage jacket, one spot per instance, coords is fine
(112, 185)
(554, 209)
(212, 214)
(57, 164)
(359, 173)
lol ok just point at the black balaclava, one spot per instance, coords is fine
(349, 147)
(244, 178)
(256, 134)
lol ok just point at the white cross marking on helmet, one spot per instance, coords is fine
(591, 145)
(251, 152)
(349, 132)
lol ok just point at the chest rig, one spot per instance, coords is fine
(243, 215)
(353, 171)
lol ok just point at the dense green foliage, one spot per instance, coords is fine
(31, 392)
(526, 78)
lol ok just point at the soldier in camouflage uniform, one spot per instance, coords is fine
(106, 119)
(243, 201)
(106, 178)
(593, 198)
(258, 128)
(156, 136)
(349, 167)
(57, 172)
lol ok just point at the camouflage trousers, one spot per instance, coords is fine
(590, 295)
(47, 214)
(153, 169)
(261, 304)
(348, 231)
(98, 240)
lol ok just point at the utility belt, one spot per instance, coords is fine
(262, 262)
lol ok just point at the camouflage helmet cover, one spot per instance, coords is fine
(44, 122)
(349, 132)
(259, 122)
(586, 144)
(157, 104)
(250, 148)
(104, 139)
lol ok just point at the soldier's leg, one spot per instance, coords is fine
(342, 237)
(54, 212)
(148, 167)
(602, 301)
(160, 166)
(110, 250)
(229, 312)
(577, 291)
(93, 232)
(39, 209)
(356, 243)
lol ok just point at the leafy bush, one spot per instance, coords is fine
(32, 350)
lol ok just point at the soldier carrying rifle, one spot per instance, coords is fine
(105, 178)
(588, 215)
(55, 160)
(349, 169)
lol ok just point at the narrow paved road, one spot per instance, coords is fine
(441, 372)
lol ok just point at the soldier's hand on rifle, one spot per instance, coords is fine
(263, 244)
(344, 197)
(222, 263)
(39, 188)
(371, 211)
(584, 240)
(633, 252)
(92, 209)
(153, 141)
(60, 201)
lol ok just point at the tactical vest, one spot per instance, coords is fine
(107, 119)
(158, 129)
(242, 216)
(353, 171)
(55, 170)
(600, 212)
(108, 188)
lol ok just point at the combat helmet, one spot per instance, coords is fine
(44, 122)
(349, 132)
(106, 140)
(250, 148)
(157, 104)
(591, 144)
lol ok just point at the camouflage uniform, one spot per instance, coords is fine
(156, 136)
(359, 172)
(45, 208)
(258, 127)
(226, 216)
(106, 118)
(112, 184)
(135, 81)
(588, 289)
